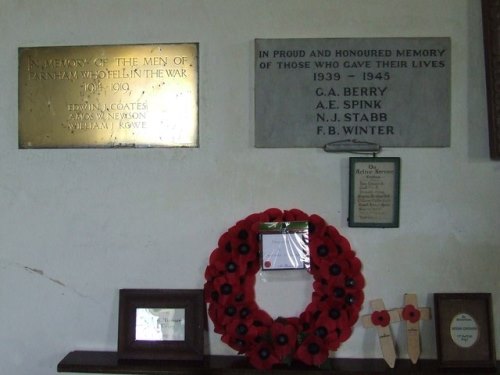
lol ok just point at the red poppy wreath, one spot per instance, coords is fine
(325, 323)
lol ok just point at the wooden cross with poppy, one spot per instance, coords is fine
(381, 319)
(412, 315)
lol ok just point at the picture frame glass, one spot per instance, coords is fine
(374, 190)
(160, 324)
(464, 330)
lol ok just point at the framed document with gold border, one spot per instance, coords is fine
(464, 330)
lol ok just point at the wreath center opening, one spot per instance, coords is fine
(273, 291)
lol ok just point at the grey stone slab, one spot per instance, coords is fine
(391, 91)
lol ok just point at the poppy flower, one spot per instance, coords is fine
(245, 294)
(354, 262)
(240, 344)
(312, 351)
(223, 315)
(324, 251)
(260, 318)
(284, 338)
(344, 248)
(246, 310)
(295, 215)
(256, 217)
(211, 272)
(273, 214)
(306, 320)
(344, 333)
(336, 291)
(411, 314)
(335, 310)
(339, 320)
(222, 262)
(319, 251)
(332, 232)
(342, 244)
(214, 312)
(354, 280)
(380, 318)
(256, 320)
(254, 266)
(333, 271)
(341, 312)
(294, 321)
(310, 314)
(317, 225)
(262, 356)
(337, 298)
(224, 290)
(240, 333)
(242, 231)
(354, 299)
(325, 327)
(210, 294)
(244, 251)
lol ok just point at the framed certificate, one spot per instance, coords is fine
(464, 330)
(161, 324)
(374, 192)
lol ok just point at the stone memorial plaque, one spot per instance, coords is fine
(394, 92)
(108, 96)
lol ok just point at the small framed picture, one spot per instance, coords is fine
(464, 330)
(374, 192)
(161, 324)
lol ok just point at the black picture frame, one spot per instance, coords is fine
(464, 330)
(189, 343)
(374, 192)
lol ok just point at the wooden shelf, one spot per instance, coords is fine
(108, 363)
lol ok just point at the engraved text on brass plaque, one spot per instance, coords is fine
(108, 96)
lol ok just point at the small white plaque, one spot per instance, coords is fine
(284, 251)
(464, 330)
(160, 324)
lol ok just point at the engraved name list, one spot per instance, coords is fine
(391, 91)
(108, 96)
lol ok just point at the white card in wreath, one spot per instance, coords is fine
(282, 251)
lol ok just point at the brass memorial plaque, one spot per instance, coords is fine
(108, 96)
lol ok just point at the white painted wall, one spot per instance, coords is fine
(78, 225)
